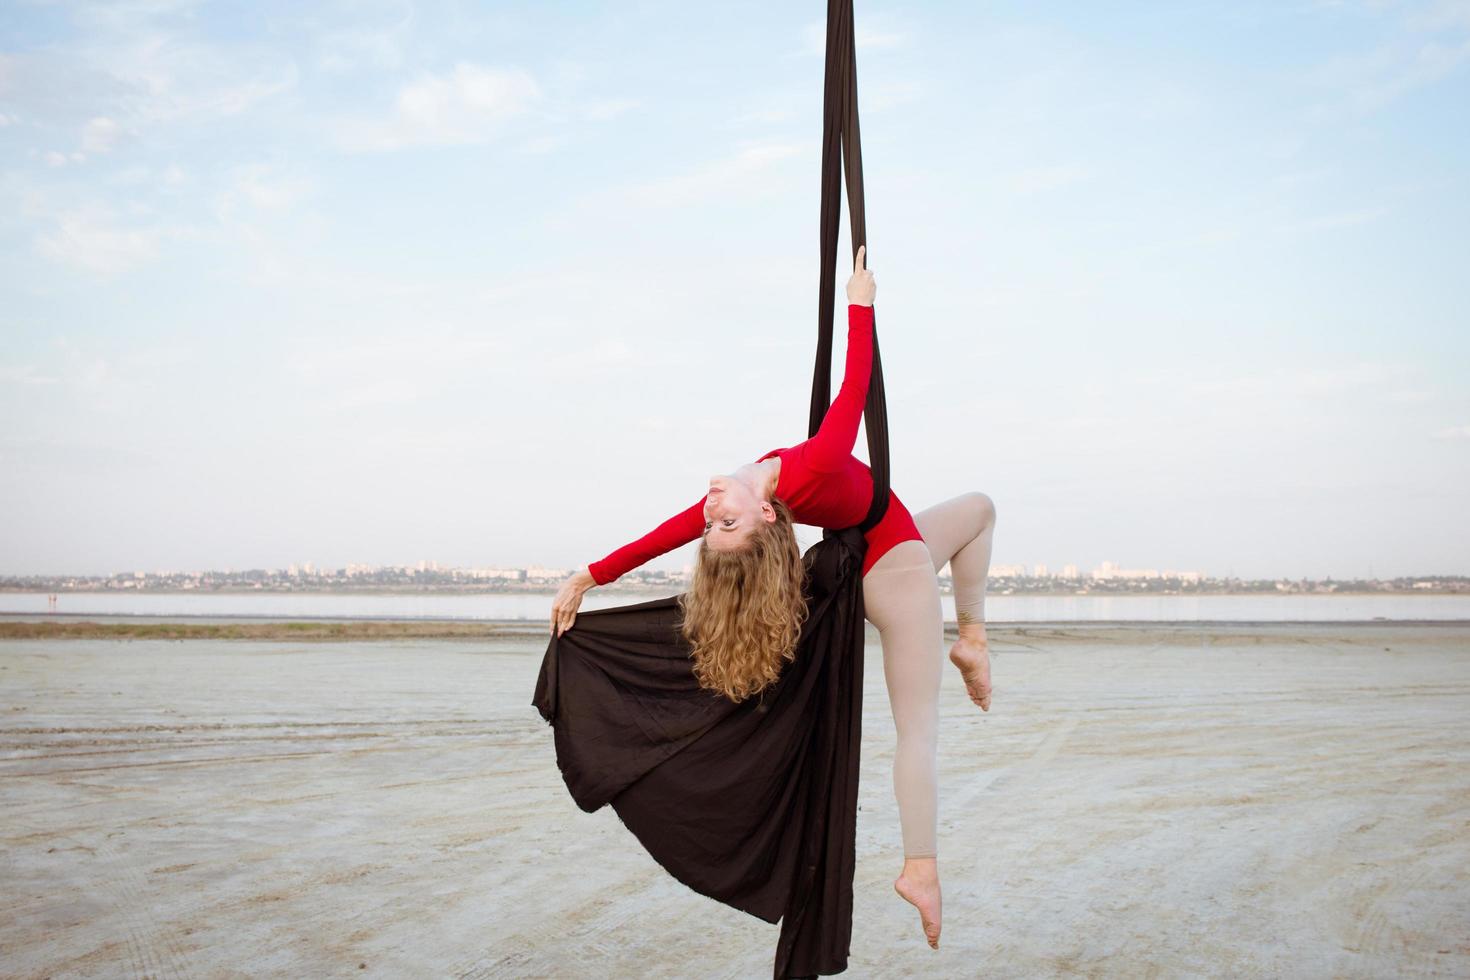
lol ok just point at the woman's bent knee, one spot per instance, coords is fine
(983, 508)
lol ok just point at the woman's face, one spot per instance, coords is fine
(730, 512)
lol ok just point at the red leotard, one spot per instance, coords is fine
(822, 482)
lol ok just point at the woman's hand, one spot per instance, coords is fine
(568, 598)
(861, 288)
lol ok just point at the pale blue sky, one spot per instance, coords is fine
(1179, 285)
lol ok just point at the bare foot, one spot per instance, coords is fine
(971, 654)
(918, 883)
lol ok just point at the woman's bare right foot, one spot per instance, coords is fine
(918, 883)
(971, 654)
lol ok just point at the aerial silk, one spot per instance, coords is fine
(753, 804)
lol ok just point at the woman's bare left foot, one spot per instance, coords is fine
(971, 654)
(918, 883)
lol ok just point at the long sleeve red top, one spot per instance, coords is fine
(822, 482)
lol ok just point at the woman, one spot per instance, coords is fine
(743, 611)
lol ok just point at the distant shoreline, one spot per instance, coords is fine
(663, 590)
(79, 626)
(84, 627)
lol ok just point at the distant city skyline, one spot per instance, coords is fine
(1107, 570)
(1179, 287)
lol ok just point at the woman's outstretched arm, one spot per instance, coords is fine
(680, 529)
(833, 443)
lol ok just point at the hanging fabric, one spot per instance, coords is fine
(753, 804)
(840, 129)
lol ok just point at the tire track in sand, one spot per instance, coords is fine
(1014, 776)
(153, 950)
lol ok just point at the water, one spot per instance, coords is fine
(522, 606)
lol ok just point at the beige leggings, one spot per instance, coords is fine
(901, 597)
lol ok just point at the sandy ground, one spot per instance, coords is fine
(1153, 801)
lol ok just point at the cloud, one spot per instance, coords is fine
(216, 98)
(263, 187)
(1428, 64)
(94, 239)
(1436, 46)
(260, 209)
(1442, 14)
(141, 175)
(609, 108)
(466, 105)
(86, 374)
(118, 16)
(1454, 432)
(747, 173)
(25, 374)
(542, 144)
(134, 67)
(354, 49)
(100, 134)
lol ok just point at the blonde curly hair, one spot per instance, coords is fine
(744, 609)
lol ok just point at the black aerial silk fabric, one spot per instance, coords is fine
(753, 804)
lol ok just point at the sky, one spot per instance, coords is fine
(1180, 286)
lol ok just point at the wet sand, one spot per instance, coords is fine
(201, 628)
(1141, 801)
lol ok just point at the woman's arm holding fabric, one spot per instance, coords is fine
(833, 443)
(838, 433)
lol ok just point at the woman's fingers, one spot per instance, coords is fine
(563, 614)
(861, 288)
(564, 607)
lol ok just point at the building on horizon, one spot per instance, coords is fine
(1111, 570)
(507, 574)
